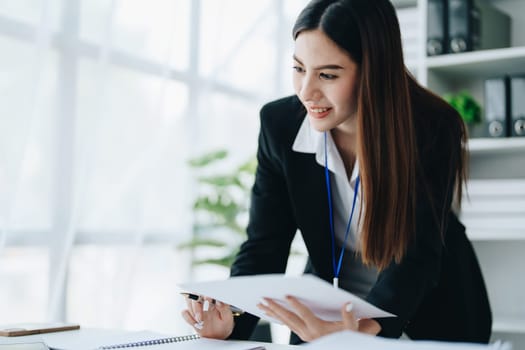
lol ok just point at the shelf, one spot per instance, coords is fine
(489, 235)
(476, 64)
(509, 325)
(497, 145)
(404, 3)
(493, 213)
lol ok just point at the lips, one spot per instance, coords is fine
(319, 112)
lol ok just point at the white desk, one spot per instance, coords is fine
(85, 339)
(89, 338)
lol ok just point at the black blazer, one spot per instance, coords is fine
(437, 290)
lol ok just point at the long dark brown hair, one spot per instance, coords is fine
(368, 30)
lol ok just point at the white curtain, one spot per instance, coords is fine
(103, 103)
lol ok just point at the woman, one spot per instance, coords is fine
(362, 160)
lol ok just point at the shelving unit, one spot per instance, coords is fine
(509, 325)
(503, 145)
(494, 211)
(478, 64)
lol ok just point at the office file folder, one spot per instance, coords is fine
(462, 19)
(476, 25)
(496, 107)
(517, 105)
(437, 27)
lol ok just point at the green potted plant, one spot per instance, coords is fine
(221, 213)
(220, 208)
(468, 108)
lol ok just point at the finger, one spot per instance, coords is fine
(196, 308)
(268, 311)
(286, 316)
(269, 307)
(223, 310)
(192, 321)
(349, 320)
(208, 304)
(302, 310)
(209, 311)
(189, 305)
(186, 315)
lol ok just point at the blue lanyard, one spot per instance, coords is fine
(337, 269)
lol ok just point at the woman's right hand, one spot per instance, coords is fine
(210, 320)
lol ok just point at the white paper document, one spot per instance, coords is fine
(352, 340)
(322, 298)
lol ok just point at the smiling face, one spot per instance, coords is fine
(325, 79)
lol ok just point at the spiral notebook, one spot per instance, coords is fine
(104, 339)
(189, 342)
(143, 343)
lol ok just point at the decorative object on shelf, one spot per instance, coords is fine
(467, 107)
(221, 208)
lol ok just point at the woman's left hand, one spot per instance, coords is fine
(304, 323)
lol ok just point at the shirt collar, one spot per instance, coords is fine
(309, 140)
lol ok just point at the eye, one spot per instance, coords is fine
(327, 76)
(298, 69)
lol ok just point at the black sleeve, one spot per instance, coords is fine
(272, 225)
(402, 288)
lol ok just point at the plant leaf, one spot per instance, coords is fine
(201, 242)
(208, 158)
(221, 180)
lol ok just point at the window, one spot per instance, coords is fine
(104, 102)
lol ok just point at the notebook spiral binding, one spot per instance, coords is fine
(152, 342)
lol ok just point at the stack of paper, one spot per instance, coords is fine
(321, 297)
(494, 208)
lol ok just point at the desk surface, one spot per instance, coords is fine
(90, 338)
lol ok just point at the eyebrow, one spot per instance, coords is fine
(325, 66)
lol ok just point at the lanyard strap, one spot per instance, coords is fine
(337, 269)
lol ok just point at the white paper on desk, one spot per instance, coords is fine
(208, 344)
(89, 339)
(352, 340)
(245, 292)
(92, 339)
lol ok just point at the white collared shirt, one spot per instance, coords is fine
(354, 277)
(309, 140)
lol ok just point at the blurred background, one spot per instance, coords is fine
(128, 130)
(104, 102)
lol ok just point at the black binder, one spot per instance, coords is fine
(437, 27)
(497, 107)
(517, 105)
(476, 25)
(462, 21)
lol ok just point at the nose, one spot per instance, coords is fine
(309, 89)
